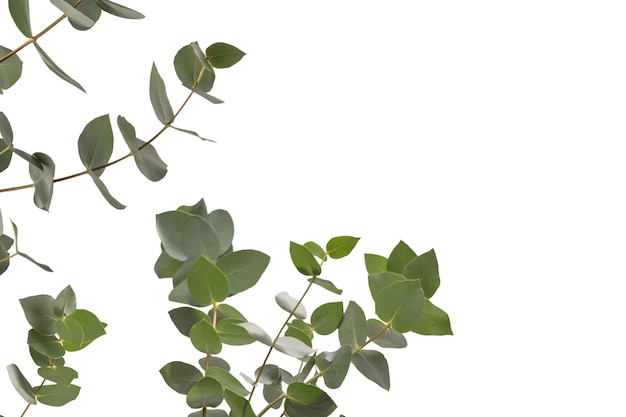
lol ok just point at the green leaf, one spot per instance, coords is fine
(209, 413)
(400, 304)
(373, 366)
(269, 374)
(42, 360)
(288, 303)
(70, 332)
(188, 236)
(232, 334)
(158, 97)
(227, 380)
(105, 191)
(47, 345)
(91, 326)
(341, 246)
(21, 385)
(180, 376)
(327, 318)
(55, 68)
(334, 366)
(375, 264)
(6, 132)
(40, 265)
(65, 303)
(256, 332)
(185, 318)
(303, 260)
(43, 180)
(4, 259)
(60, 374)
(192, 133)
(208, 97)
(118, 10)
(21, 16)
(327, 285)
(223, 55)
(315, 249)
(199, 209)
(215, 362)
(293, 347)
(353, 328)
(82, 17)
(166, 266)
(10, 69)
(189, 65)
(95, 144)
(305, 400)
(146, 157)
(207, 284)
(304, 337)
(206, 393)
(424, 267)
(243, 269)
(39, 312)
(57, 395)
(380, 281)
(225, 311)
(239, 406)
(389, 338)
(204, 338)
(433, 321)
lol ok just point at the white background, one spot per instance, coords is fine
(491, 131)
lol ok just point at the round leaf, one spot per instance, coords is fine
(180, 376)
(308, 401)
(341, 246)
(206, 393)
(327, 318)
(207, 284)
(204, 338)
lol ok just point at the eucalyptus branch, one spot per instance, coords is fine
(37, 36)
(34, 393)
(376, 336)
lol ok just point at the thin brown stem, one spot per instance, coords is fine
(35, 393)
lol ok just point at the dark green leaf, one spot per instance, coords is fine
(184, 318)
(20, 384)
(42, 360)
(305, 400)
(158, 97)
(6, 132)
(65, 303)
(145, 155)
(239, 406)
(57, 395)
(243, 269)
(206, 393)
(341, 246)
(105, 191)
(118, 10)
(180, 376)
(82, 17)
(375, 264)
(208, 97)
(47, 345)
(302, 336)
(327, 285)
(353, 328)
(232, 334)
(95, 144)
(166, 266)
(187, 236)
(403, 260)
(385, 336)
(4, 259)
(40, 265)
(288, 303)
(43, 180)
(334, 366)
(273, 391)
(21, 16)
(215, 362)
(10, 69)
(269, 374)
(373, 366)
(303, 260)
(204, 338)
(60, 374)
(400, 304)
(189, 66)
(207, 284)
(327, 318)
(181, 294)
(315, 249)
(433, 321)
(39, 312)
(55, 68)
(70, 332)
(227, 380)
(223, 55)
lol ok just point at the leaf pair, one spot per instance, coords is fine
(5, 244)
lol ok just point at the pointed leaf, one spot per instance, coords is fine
(40, 265)
(20, 384)
(206, 393)
(327, 285)
(315, 249)
(189, 65)
(55, 68)
(91, 326)
(239, 406)
(353, 328)
(192, 133)
(43, 180)
(223, 55)
(373, 366)
(185, 318)
(334, 365)
(204, 338)
(231, 333)
(433, 321)
(83, 17)
(327, 318)
(60, 374)
(21, 16)
(305, 400)
(57, 395)
(6, 132)
(303, 260)
(105, 191)
(288, 303)
(118, 10)
(207, 284)
(188, 236)
(47, 345)
(65, 303)
(166, 266)
(158, 97)
(293, 347)
(401, 305)
(180, 376)
(385, 336)
(256, 332)
(243, 269)
(95, 144)
(424, 267)
(227, 380)
(207, 97)
(380, 281)
(10, 69)
(70, 332)
(375, 264)
(145, 155)
(341, 246)
(39, 312)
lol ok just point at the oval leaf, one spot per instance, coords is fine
(10, 70)
(288, 303)
(401, 305)
(384, 336)
(20, 384)
(189, 66)
(185, 318)
(204, 338)
(304, 260)
(243, 269)
(353, 328)
(373, 366)
(57, 395)
(293, 347)
(21, 16)
(60, 374)
(39, 312)
(56, 69)
(223, 55)
(327, 318)
(341, 246)
(227, 380)
(158, 98)
(118, 10)
(180, 376)
(207, 284)
(43, 180)
(308, 401)
(206, 393)
(334, 366)
(256, 332)
(95, 144)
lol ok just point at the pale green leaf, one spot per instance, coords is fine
(10, 69)
(21, 385)
(227, 380)
(39, 264)
(95, 144)
(243, 269)
(385, 336)
(375, 264)
(158, 97)
(293, 347)
(20, 13)
(289, 303)
(118, 10)
(373, 366)
(105, 191)
(189, 65)
(55, 68)
(353, 328)
(256, 332)
(327, 285)
(334, 366)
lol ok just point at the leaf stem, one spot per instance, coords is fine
(35, 393)
(371, 339)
